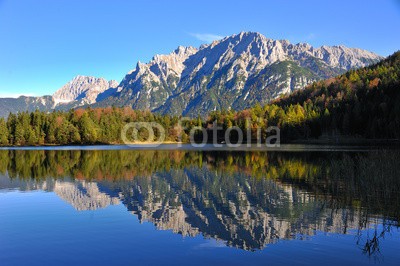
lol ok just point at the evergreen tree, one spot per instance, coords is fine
(19, 134)
(4, 134)
(88, 130)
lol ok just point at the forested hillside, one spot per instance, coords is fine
(361, 103)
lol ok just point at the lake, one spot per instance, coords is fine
(116, 205)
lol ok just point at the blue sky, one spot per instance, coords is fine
(45, 43)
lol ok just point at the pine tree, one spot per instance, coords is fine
(4, 134)
(50, 131)
(88, 130)
(31, 137)
(19, 135)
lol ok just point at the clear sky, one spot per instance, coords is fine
(45, 43)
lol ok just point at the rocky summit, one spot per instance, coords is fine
(85, 90)
(80, 91)
(236, 72)
(233, 73)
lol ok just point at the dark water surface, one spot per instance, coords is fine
(104, 205)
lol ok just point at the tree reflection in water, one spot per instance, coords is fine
(246, 199)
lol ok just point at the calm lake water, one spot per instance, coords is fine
(112, 205)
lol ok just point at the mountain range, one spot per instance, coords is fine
(235, 72)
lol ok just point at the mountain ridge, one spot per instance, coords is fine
(235, 72)
(84, 88)
(80, 91)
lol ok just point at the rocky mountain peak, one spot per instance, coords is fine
(141, 67)
(234, 72)
(83, 88)
(113, 83)
(185, 50)
(173, 61)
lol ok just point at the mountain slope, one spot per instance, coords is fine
(358, 105)
(363, 102)
(233, 73)
(150, 85)
(81, 90)
(23, 103)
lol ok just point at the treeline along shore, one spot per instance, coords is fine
(360, 104)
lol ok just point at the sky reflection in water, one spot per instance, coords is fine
(101, 206)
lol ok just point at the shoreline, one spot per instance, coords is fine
(317, 142)
(346, 141)
(287, 147)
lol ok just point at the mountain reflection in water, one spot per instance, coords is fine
(246, 199)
